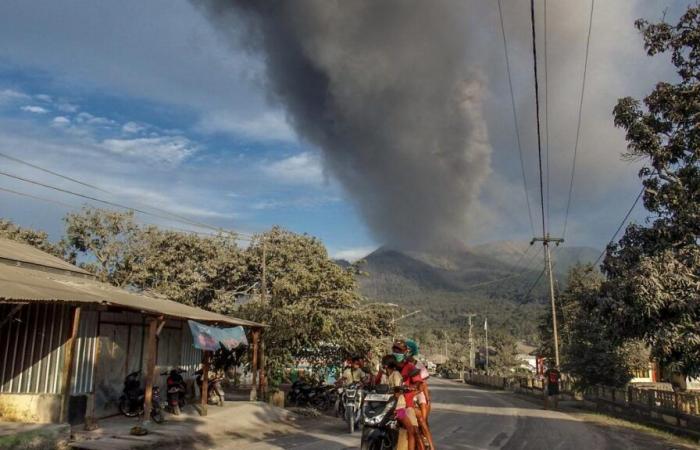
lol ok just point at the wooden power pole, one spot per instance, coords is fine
(548, 266)
(472, 353)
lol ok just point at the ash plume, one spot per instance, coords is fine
(383, 89)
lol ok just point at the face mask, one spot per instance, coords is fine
(399, 356)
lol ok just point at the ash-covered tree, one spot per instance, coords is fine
(312, 307)
(590, 348)
(38, 239)
(505, 359)
(654, 270)
(185, 267)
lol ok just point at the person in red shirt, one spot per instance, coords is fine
(411, 377)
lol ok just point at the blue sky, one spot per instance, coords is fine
(147, 101)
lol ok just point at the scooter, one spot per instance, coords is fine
(176, 390)
(215, 394)
(380, 428)
(132, 399)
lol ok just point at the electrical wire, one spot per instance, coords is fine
(535, 283)
(69, 206)
(624, 220)
(515, 119)
(578, 125)
(114, 204)
(537, 114)
(546, 109)
(515, 275)
(92, 186)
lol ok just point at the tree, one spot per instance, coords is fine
(505, 360)
(312, 308)
(184, 267)
(654, 271)
(38, 239)
(103, 239)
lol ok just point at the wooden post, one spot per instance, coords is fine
(256, 339)
(67, 374)
(151, 349)
(204, 388)
(262, 381)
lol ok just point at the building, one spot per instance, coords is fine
(68, 341)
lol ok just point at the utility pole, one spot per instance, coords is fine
(472, 353)
(486, 337)
(548, 263)
(263, 281)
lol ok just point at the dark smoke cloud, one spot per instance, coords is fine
(384, 90)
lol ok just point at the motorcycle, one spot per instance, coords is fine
(351, 401)
(380, 429)
(304, 394)
(131, 401)
(176, 390)
(215, 394)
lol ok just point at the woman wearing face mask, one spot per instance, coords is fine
(422, 398)
(411, 376)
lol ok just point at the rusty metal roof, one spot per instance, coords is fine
(30, 283)
(17, 252)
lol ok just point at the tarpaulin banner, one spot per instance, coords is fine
(212, 338)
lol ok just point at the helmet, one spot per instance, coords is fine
(412, 346)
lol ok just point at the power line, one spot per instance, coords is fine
(537, 113)
(515, 119)
(113, 204)
(578, 125)
(515, 275)
(546, 107)
(535, 283)
(92, 186)
(624, 220)
(69, 206)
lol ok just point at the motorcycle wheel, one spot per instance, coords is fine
(320, 402)
(157, 416)
(124, 408)
(350, 419)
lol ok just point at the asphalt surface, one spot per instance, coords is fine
(465, 417)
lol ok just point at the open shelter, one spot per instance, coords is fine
(67, 341)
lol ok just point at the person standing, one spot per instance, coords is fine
(552, 378)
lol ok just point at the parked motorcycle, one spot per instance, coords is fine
(304, 394)
(176, 390)
(351, 401)
(131, 401)
(215, 394)
(380, 429)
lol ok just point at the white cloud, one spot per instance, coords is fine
(169, 149)
(44, 98)
(67, 107)
(60, 121)
(267, 126)
(34, 109)
(353, 254)
(10, 95)
(132, 127)
(89, 119)
(302, 168)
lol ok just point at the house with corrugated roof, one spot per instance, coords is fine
(67, 341)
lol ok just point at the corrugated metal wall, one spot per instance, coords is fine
(191, 357)
(31, 348)
(84, 361)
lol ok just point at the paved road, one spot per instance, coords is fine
(466, 417)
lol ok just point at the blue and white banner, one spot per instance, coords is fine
(206, 337)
